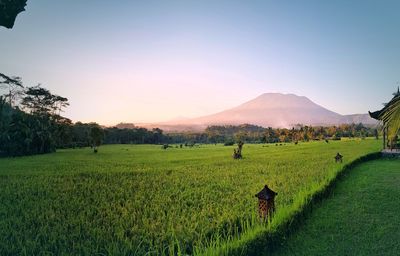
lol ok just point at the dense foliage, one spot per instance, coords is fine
(9, 9)
(391, 117)
(136, 135)
(31, 123)
(256, 134)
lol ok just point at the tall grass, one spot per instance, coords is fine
(141, 200)
(261, 238)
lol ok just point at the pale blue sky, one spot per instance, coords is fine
(156, 60)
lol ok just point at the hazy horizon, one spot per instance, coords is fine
(153, 61)
(178, 118)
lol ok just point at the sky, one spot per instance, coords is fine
(151, 61)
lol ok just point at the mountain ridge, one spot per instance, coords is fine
(275, 110)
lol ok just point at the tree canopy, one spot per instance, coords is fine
(391, 117)
(9, 9)
(30, 120)
(31, 123)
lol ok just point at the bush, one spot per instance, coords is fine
(335, 137)
(229, 143)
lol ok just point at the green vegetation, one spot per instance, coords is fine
(37, 129)
(138, 199)
(391, 117)
(31, 123)
(248, 133)
(360, 218)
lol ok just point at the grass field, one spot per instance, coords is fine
(361, 218)
(140, 199)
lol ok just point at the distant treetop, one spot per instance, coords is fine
(9, 9)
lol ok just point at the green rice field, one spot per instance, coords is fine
(143, 200)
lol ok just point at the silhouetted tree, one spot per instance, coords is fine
(37, 130)
(12, 86)
(9, 9)
(96, 135)
(237, 153)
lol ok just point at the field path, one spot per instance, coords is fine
(361, 218)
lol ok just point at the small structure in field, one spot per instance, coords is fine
(338, 158)
(266, 202)
(237, 153)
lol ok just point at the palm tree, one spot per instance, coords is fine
(391, 117)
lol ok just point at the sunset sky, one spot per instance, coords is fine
(148, 61)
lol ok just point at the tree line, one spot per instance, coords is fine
(31, 123)
(30, 120)
(230, 134)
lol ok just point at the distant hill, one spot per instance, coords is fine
(269, 110)
(125, 126)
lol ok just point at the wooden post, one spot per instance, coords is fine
(387, 137)
(384, 136)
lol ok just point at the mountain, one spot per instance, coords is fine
(270, 110)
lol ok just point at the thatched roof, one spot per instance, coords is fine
(266, 193)
(379, 114)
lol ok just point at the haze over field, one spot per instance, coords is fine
(153, 61)
(269, 110)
